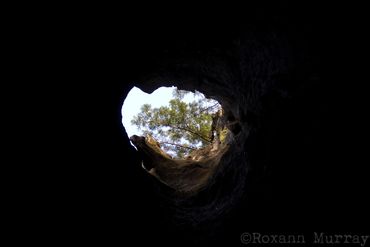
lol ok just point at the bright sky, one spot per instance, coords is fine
(136, 98)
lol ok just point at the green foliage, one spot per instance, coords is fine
(179, 127)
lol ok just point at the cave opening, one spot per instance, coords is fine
(180, 136)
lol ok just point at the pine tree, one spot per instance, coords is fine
(180, 127)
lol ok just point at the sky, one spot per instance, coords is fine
(136, 98)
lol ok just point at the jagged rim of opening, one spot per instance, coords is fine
(221, 150)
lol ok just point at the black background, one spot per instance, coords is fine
(87, 190)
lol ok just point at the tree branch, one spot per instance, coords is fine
(205, 109)
(192, 132)
(178, 145)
